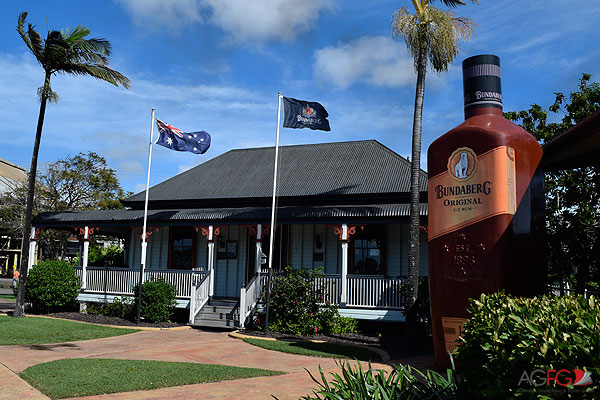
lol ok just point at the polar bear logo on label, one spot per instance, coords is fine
(462, 166)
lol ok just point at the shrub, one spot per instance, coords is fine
(158, 300)
(297, 307)
(507, 336)
(52, 286)
(343, 325)
(110, 256)
(403, 382)
(121, 307)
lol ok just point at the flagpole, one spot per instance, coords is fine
(144, 244)
(272, 235)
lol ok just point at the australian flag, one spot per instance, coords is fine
(304, 114)
(175, 139)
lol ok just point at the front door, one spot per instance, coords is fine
(230, 261)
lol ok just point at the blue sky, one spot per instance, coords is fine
(217, 65)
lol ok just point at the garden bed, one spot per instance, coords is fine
(395, 345)
(350, 338)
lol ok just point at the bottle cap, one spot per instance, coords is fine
(481, 81)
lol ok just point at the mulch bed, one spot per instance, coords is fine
(396, 346)
(106, 320)
(364, 340)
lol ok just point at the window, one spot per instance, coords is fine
(367, 251)
(367, 256)
(182, 248)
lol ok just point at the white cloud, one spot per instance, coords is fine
(376, 60)
(263, 20)
(115, 123)
(174, 13)
(254, 22)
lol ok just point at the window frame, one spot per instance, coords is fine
(173, 231)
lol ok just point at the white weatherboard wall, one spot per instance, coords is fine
(201, 251)
(302, 247)
(397, 251)
(229, 274)
(157, 252)
(158, 249)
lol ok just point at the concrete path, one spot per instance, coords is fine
(186, 346)
(13, 387)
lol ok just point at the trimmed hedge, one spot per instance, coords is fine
(507, 336)
(52, 286)
(158, 300)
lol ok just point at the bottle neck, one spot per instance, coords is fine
(475, 111)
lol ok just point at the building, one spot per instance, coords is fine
(11, 175)
(342, 207)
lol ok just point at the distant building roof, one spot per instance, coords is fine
(10, 175)
(578, 147)
(359, 169)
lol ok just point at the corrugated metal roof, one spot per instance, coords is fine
(345, 168)
(231, 215)
(7, 184)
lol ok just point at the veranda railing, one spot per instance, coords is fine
(368, 291)
(120, 281)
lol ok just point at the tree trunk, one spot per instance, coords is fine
(415, 169)
(20, 306)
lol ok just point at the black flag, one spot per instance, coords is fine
(304, 114)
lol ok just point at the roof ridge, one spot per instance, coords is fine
(306, 144)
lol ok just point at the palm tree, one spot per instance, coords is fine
(66, 52)
(432, 37)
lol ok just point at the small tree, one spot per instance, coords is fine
(52, 286)
(73, 183)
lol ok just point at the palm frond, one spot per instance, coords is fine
(100, 72)
(35, 39)
(21, 30)
(95, 45)
(437, 31)
(71, 36)
(455, 3)
(31, 38)
(406, 26)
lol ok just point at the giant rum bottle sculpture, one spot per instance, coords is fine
(486, 208)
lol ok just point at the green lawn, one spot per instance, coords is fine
(332, 350)
(35, 330)
(87, 376)
(8, 297)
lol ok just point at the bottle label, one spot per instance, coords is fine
(472, 189)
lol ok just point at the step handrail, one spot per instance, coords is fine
(249, 296)
(199, 295)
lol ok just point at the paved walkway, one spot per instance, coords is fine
(183, 345)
